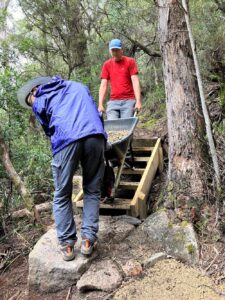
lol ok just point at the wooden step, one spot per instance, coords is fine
(142, 158)
(142, 149)
(127, 185)
(151, 159)
(117, 203)
(134, 171)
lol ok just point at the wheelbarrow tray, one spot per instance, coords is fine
(118, 149)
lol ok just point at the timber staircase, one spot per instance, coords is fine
(135, 184)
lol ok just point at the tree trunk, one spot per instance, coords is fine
(46, 52)
(3, 21)
(17, 181)
(188, 155)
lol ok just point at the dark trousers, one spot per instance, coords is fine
(89, 152)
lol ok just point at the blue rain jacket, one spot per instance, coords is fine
(67, 112)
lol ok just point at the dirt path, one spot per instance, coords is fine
(166, 280)
(171, 280)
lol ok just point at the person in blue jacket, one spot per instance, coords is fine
(69, 116)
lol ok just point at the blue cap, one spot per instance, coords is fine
(115, 44)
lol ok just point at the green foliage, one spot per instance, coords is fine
(190, 248)
(220, 129)
(208, 29)
(216, 237)
(222, 98)
(53, 35)
(28, 148)
(154, 106)
(70, 38)
(184, 224)
(156, 98)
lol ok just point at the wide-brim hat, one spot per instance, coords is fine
(24, 91)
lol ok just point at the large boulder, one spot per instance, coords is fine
(48, 272)
(177, 240)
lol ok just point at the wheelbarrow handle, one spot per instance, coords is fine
(135, 113)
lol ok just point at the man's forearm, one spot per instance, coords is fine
(137, 89)
(102, 93)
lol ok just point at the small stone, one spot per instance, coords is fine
(103, 276)
(115, 136)
(132, 268)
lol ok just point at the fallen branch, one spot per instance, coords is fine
(212, 262)
(16, 179)
(15, 296)
(69, 293)
(46, 206)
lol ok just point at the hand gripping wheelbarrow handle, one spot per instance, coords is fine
(136, 113)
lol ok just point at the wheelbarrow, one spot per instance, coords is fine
(116, 151)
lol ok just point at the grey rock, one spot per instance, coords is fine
(121, 230)
(48, 272)
(102, 275)
(112, 230)
(128, 219)
(169, 204)
(177, 240)
(156, 225)
(150, 262)
(106, 231)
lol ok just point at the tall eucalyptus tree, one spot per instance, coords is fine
(188, 151)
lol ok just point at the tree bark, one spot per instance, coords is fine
(202, 98)
(188, 153)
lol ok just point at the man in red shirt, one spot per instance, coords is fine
(122, 72)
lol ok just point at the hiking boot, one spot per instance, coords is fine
(86, 247)
(67, 252)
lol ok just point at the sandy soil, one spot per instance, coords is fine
(167, 280)
(171, 280)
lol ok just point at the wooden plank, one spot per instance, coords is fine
(160, 159)
(142, 149)
(145, 183)
(118, 203)
(142, 158)
(137, 205)
(144, 142)
(78, 197)
(134, 171)
(142, 205)
(128, 185)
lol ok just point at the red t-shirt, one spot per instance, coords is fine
(119, 73)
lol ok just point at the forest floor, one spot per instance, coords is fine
(168, 279)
